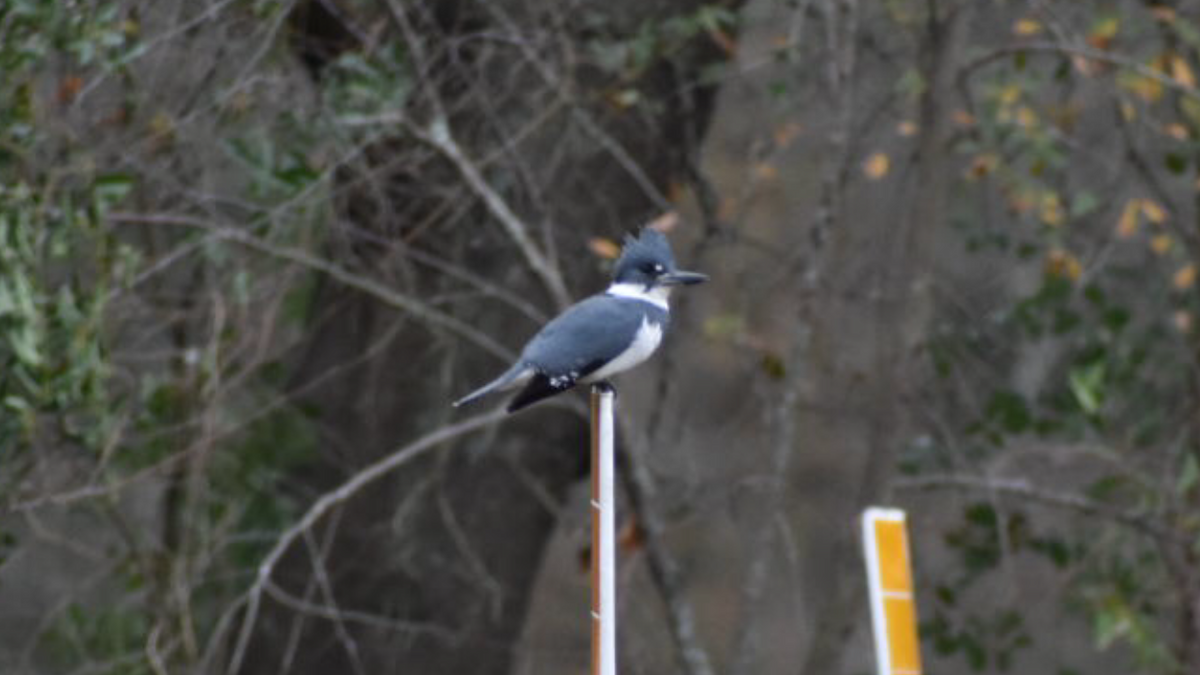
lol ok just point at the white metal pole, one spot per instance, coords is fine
(604, 561)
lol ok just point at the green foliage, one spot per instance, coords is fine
(984, 642)
(628, 55)
(84, 636)
(75, 390)
(277, 173)
(1111, 315)
(58, 262)
(1117, 591)
(980, 541)
(988, 638)
(246, 478)
(58, 267)
(35, 31)
(360, 84)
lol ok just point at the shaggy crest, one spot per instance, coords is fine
(649, 246)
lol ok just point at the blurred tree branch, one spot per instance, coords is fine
(1021, 487)
(322, 506)
(343, 276)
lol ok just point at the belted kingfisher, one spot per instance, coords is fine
(603, 335)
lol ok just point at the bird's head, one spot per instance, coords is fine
(646, 260)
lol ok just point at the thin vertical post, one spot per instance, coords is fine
(604, 562)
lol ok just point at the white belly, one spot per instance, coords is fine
(646, 340)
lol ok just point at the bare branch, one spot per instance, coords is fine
(664, 569)
(398, 458)
(317, 556)
(438, 136)
(1019, 487)
(1084, 52)
(342, 275)
(581, 115)
(355, 616)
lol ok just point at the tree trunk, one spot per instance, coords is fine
(873, 394)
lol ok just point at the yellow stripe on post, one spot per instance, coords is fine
(889, 578)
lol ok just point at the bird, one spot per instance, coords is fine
(603, 335)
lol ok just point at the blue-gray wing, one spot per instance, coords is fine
(588, 335)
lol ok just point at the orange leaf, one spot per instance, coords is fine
(1183, 321)
(1127, 224)
(666, 222)
(877, 166)
(68, 88)
(1060, 263)
(1026, 27)
(1160, 243)
(631, 537)
(1182, 72)
(1148, 89)
(906, 128)
(1177, 131)
(962, 118)
(786, 133)
(1051, 211)
(982, 165)
(1153, 212)
(604, 248)
(765, 171)
(1103, 33)
(1185, 277)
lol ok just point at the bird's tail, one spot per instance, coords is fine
(518, 373)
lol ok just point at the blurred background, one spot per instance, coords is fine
(251, 249)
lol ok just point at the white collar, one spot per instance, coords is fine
(657, 295)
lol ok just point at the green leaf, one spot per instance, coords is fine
(1084, 203)
(111, 188)
(1010, 410)
(16, 404)
(911, 83)
(1116, 318)
(24, 343)
(1109, 624)
(1188, 476)
(1175, 163)
(773, 366)
(1065, 320)
(8, 303)
(1087, 386)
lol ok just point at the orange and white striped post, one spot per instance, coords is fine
(893, 605)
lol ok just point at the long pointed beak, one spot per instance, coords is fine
(681, 278)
